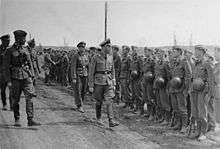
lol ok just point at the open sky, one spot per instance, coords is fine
(141, 23)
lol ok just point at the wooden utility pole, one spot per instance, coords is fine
(106, 19)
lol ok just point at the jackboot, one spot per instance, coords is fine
(184, 121)
(178, 124)
(31, 122)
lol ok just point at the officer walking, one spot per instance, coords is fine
(5, 39)
(79, 73)
(19, 74)
(102, 81)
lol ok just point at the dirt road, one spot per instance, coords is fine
(65, 128)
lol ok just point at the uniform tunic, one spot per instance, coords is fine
(102, 79)
(19, 71)
(79, 72)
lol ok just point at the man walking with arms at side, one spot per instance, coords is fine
(102, 81)
(79, 75)
(19, 75)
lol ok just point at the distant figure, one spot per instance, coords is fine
(34, 59)
(5, 39)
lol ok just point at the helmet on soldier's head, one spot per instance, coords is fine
(159, 82)
(148, 76)
(134, 74)
(198, 84)
(176, 83)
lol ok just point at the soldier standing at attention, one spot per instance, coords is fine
(102, 81)
(201, 93)
(161, 70)
(34, 59)
(117, 66)
(125, 77)
(79, 75)
(19, 74)
(5, 39)
(148, 78)
(179, 86)
(136, 78)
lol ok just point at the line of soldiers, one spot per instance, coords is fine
(177, 86)
(18, 69)
(179, 90)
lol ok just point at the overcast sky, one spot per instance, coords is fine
(141, 23)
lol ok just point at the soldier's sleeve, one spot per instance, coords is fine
(30, 63)
(141, 65)
(188, 73)
(37, 63)
(168, 74)
(211, 79)
(92, 66)
(49, 59)
(73, 64)
(7, 64)
(119, 66)
(113, 74)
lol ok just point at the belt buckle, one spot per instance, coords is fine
(106, 72)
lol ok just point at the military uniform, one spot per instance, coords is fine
(64, 69)
(136, 78)
(34, 59)
(200, 96)
(47, 66)
(79, 72)
(19, 72)
(125, 80)
(117, 65)
(180, 69)
(102, 80)
(163, 106)
(3, 83)
(148, 94)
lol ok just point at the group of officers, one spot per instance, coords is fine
(178, 87)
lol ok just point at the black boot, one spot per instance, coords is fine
(98, 109)
(112, 123)
(17, 123)
(31, 122)
(178, 123)
(184, 121)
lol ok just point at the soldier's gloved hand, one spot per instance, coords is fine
(91, 89)
(9, 84)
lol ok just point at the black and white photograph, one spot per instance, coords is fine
(109, 74)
